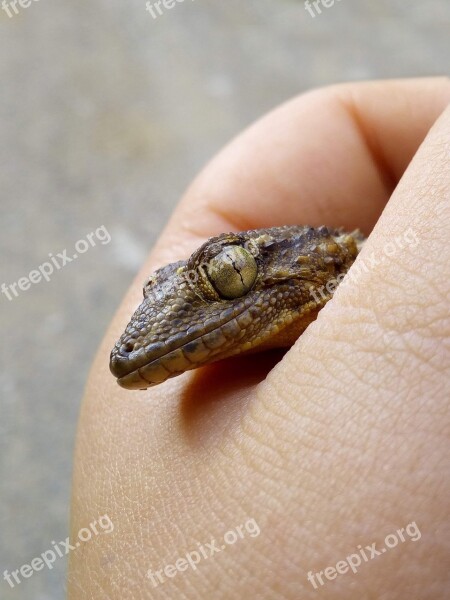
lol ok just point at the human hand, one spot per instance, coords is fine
(340, 442)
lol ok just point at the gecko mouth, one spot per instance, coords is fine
(151, 365)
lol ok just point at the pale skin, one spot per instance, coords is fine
(338, 443)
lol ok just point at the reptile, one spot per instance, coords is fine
(237, 293)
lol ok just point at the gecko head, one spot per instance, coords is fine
(189, 315)
(236, 292)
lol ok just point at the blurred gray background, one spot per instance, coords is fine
(106, 114)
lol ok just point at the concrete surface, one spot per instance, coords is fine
(105, 114)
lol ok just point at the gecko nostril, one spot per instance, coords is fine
(126, 348)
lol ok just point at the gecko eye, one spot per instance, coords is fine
(232, 272)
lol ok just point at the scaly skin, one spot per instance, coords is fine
(184, 323)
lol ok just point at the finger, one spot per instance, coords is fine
(332, 156)
(390, 315)
(371, 377)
